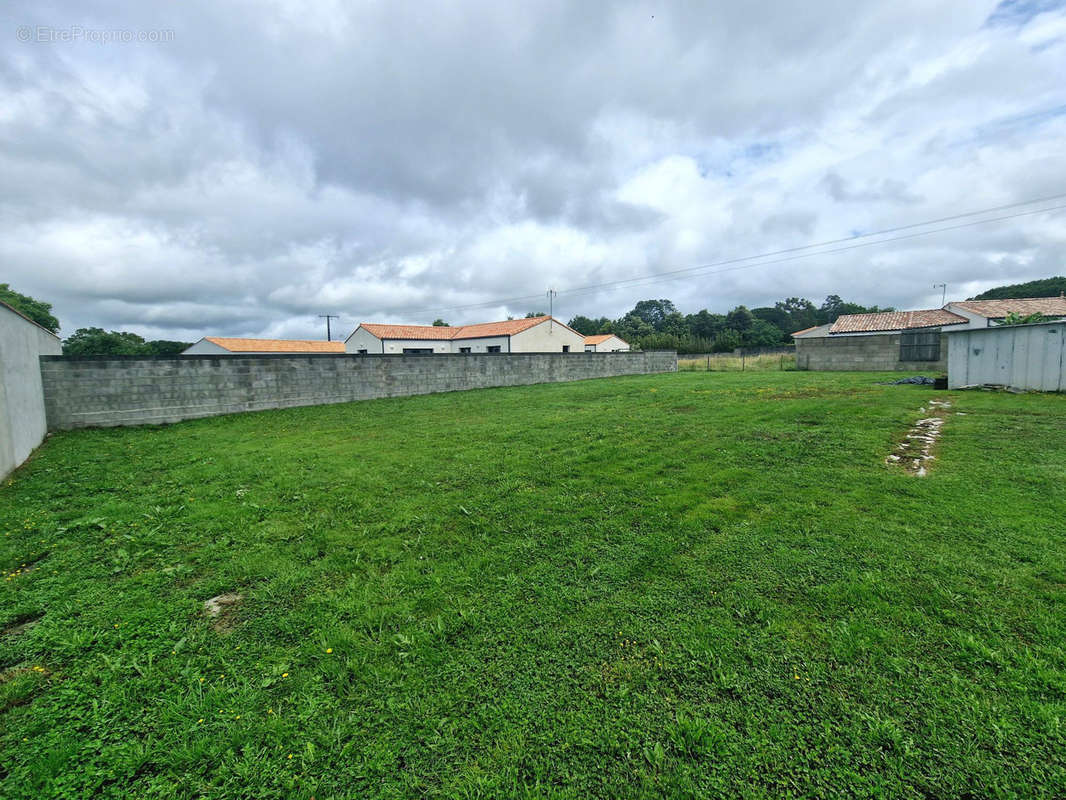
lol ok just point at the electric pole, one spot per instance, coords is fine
(551, 309)
(943, 287)
(328, 317)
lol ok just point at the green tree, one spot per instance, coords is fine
(587, 326)
(532, 314)
(37, 310)
(1014, 318)
(761, 334)
(439, 323)
(632, 328)
(654, 312)
(98, 342)
(704, 324)
(164, 347)
(1046, 287)
(739, 319)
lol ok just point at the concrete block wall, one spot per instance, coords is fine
(132, 390)
(22, 417)
(877, 353)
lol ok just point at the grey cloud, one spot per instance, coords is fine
(398, 157)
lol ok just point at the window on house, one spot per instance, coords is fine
(919, 345)
(492, 348)
(362, 352)
(590, 348)
(418, 351)
(464, 349)
(566, 348)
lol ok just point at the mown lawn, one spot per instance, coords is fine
(691, 585)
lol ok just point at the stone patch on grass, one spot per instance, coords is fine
(220, 608)
(915, 451)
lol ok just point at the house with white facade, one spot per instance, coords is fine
(606, 343)
(532, 335)
(230, 346)
(908, 340)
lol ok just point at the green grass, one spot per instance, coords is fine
(691, 585)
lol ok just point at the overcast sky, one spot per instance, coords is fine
(251, 165)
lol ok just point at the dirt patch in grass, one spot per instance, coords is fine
(222, 609)
(22, 623)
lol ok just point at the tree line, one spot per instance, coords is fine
(657, 324)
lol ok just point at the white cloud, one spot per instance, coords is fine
(285, 160)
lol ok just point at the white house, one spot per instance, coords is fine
(532, 335)
(606, 343)
(226, 346)
(988, 313)
(907, 340)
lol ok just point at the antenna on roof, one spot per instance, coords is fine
(328, 317)
(943, 292)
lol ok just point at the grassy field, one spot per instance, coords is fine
(691, 585)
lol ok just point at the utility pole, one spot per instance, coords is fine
(551, 309)
(328, 317)
(943, 287)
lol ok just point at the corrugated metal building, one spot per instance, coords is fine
(1022, 356)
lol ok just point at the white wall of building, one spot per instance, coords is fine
(975, 320)
(1022, 356)
(482, 344)
(609, 345)
(547, 337)
(361, 339)
(205, 348)
(22, 418)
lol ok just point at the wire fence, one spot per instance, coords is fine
(732, 362)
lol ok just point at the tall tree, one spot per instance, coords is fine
(654, 312)
(37, 310)
(439, 323)
(98, 342)
(1047, 287)
(587, 326)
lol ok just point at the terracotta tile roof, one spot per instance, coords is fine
(238, 345)
(599, 338)
(408, 331)
(507, 327)
(895, 321)
(805, 330)
(995, 309)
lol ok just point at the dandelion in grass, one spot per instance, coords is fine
(329, 650)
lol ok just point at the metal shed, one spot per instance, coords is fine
(1023, 356)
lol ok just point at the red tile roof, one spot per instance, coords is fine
(805, 330)
(238, 345)
(437, 332)
(600, 338)
(895, 321)
(996, 309)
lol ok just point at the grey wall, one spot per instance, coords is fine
(81, 392)
(1022, 356)
(22, 417)
(879, 352)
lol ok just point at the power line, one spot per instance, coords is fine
(706, 268)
